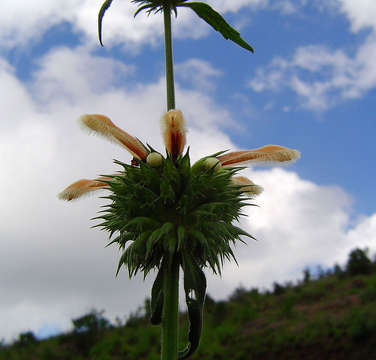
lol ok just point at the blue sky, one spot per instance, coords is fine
(310, 85)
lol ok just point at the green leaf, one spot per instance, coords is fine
(195, 290)
(181, 236)
(141, 223)
(157, 299)
(102, 10)
(171, 245)
(143, 7)
(157, 235)
(185, 166)
(214, 19)
(166, 228)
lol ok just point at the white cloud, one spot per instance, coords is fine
(53, 267)
(198, 73)
(298, 224)
(321, 77)
(286, 7)
(361, 13)
(236, 5)
(20, 21)
(25, 22)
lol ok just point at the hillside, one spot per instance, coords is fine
(330, 317)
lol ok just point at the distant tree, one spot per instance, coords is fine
(119, 322)
(374, 263)
(239, 295)
(147, 308)
(220, 312)
(93, 321)
(320, 272)
(306, 275)
(288, 285)
(138, 317)
(88, 329)
(26, 339)
(209, 303)
(278, 289)
(338, 272)
(254, 292)
(358, 263)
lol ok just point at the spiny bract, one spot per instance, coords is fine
(173, 209)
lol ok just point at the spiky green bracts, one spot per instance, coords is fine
(175, 211)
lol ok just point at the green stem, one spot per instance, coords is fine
(170, 316)
(169, 58)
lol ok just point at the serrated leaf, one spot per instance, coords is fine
(101, 13)
(215, 20)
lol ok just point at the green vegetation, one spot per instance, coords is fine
(330, 316)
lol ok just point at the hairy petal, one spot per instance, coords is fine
(102, 125)
(173, 132)
(247, 185)
(268, 153)
(82, 187)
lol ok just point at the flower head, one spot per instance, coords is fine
(164, 206)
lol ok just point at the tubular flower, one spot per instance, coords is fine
(82, 187)
(268, 153)
(247, 185)
(103, 126)
(173, 132)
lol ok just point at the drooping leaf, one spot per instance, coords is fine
(157, 299)
(195, 291)
(214, 19)
(101, 13)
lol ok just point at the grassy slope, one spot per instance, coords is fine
(329, 318)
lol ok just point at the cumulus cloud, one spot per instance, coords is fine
(319, 76)
(362, 13)
(53, 267)
(23, 22)
(322, 77)
(198, 73)
(298, 224)
(39, 16)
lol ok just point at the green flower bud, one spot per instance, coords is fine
(154, 159)
(212, 163)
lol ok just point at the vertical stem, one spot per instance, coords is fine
(170, 316)
(169, 58)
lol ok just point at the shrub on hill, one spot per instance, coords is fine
(358, 263)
